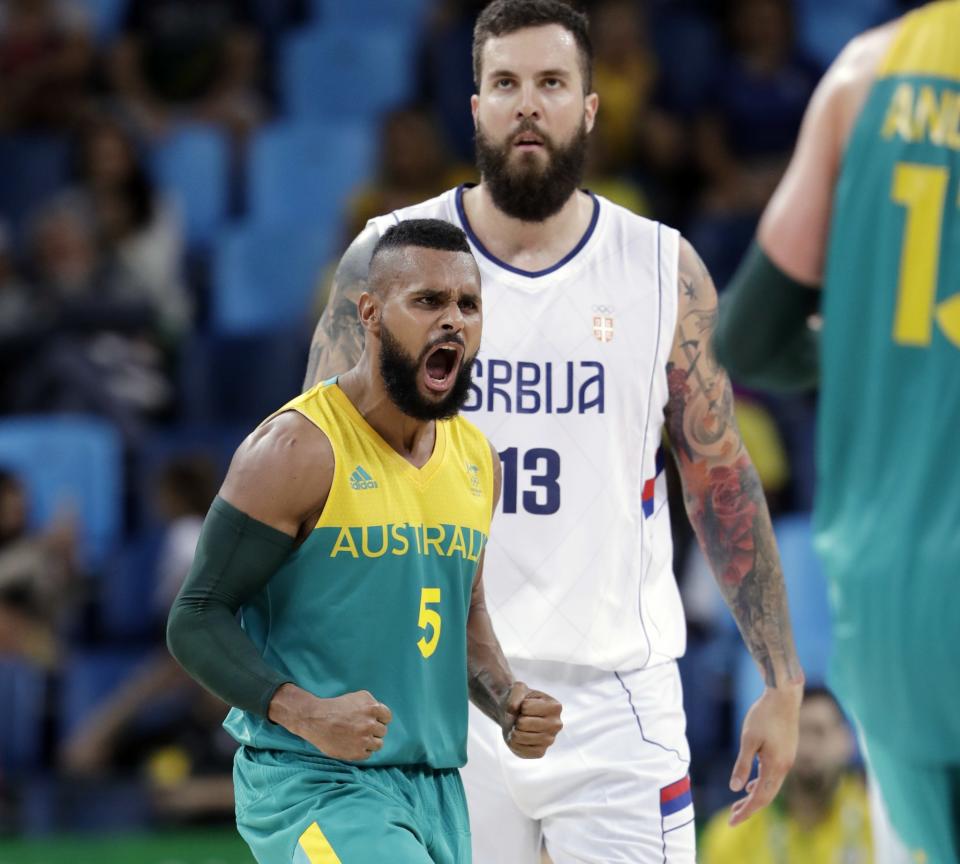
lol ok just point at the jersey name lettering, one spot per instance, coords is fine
(526, 387)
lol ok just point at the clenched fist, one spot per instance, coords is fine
(348, 727)
(531, 721)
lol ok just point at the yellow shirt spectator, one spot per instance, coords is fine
(772, 836)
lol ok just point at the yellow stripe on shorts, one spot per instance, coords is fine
(316, 846)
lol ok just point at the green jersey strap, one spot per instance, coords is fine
(762, 337)
(236, 557)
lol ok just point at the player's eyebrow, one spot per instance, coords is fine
(540, 73)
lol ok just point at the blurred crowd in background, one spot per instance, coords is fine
(177, 180)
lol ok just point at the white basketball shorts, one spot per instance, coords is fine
(614, 787)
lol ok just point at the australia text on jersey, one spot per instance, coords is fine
(530, 387)
(375, 541)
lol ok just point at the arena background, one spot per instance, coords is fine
(177, 178)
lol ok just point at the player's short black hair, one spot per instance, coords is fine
(426, 233)
(507, 16)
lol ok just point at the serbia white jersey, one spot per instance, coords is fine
(570, 386)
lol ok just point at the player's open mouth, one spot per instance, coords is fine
(528, 141)
(441, 366)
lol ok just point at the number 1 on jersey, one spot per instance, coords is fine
(922, 190)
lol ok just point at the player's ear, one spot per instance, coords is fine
(368, 308)
(474, 107)
(591, 103)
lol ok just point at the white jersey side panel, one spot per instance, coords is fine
(570, 386)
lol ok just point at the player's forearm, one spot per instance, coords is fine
(488, 672)
(762, 336)
(236, 556)
(728, 511)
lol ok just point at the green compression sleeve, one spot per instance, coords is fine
(762, 337)
(236, 556)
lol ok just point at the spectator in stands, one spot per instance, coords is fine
(446, 74)
(159, 725)
(104, 352)
(413, 165)
(16, 301)
(822, 812)
(159, 722)
(189, 60)
(184, 489)
(137, 227)
(46, 61)
(37, 577)
(746, 134)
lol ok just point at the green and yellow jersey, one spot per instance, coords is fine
(888, 510)
(377, 597)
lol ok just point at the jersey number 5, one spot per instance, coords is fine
(429, 618)
(922, 190)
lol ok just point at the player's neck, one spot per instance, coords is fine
(530, 246)
(411, 438)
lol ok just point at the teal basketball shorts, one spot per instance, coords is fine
(293, 809)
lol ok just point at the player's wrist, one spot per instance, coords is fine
(288, 705)
(789, 688)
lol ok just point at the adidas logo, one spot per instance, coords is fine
(360, 479)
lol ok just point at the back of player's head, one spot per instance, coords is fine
(502, 17)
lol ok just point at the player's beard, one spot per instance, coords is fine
(401, 373)
(525, 190)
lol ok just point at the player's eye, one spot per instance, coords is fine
(552, 83)
(503, 83)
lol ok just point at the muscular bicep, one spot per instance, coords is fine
(699, 414)
(281, 474)
(795, 226)
(338, 338)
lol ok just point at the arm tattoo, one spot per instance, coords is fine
(338, 339)
(489, 678)
(722, 493)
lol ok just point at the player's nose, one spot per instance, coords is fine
(528, 105)
(453, 320)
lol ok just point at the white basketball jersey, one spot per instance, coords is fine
(570, 386)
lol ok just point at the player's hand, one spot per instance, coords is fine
(531, 722)
(770, 732)
(350, 727)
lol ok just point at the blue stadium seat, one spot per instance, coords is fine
(193, 164)
(35, 167)
(399, 15)
(240, 380)
(126, 590)
(89, 677)
(265, 277)
(73, 462)
(345, 72)
(809, 613)
(22, 694)
(304, 172)
(106, 18)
